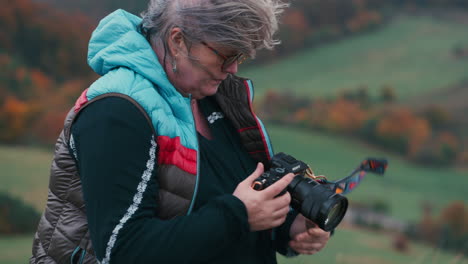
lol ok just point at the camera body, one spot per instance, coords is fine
(315, 201)
(281, 164)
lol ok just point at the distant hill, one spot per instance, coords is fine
(304, 23)
(43, 54)
(43, 37)
(454, 100)
(413, 54)
(418, 57)
(338, 45)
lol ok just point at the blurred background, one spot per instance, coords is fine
(352, 79)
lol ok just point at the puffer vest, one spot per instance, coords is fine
(63, 236)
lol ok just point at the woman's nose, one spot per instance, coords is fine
(232, 69)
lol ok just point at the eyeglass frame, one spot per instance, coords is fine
(227, 60)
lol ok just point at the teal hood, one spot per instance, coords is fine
(116, 43)
(129, 66)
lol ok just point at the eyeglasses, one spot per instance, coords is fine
(228, 61)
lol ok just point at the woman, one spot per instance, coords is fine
(156, 159)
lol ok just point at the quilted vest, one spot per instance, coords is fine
(63, 236)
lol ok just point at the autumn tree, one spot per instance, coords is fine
(441, 150)
(437, 116)
(344, 116)
(454, 225)
(403, 131)
(13, 119)
(428, 228)
(45, 38)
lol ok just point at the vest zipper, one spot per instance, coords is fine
(73, 254)
(82, 256)
(81, 252)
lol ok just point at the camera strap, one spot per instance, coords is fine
(350, 182)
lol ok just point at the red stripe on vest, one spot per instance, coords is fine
(172, 152)
(247, 128)
(83, 99)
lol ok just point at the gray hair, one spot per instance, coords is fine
(244, 25)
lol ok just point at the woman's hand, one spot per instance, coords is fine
(306, 236)
(264, 209)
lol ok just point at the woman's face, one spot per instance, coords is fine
(199, 70)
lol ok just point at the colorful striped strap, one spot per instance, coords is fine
(349, 183)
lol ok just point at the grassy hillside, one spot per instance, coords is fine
(24, 172)
(15, 250)
(412, 54)
(345, 247)
(363, 247)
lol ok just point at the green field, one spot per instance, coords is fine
(15, 250)
(345, 247)
(412, 54)
(363, 247)
(25, 173)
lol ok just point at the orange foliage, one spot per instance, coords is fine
(318, 113)
(21, 74)
(462, 158)
(295, 29)
(5, 59)
(41, 82)
(338, 116)
(403, 124)
(455, 215)
(13, 118)
(363, 19)
(437, 115)
(67, 93)
(428, 229)
(448, 139)
(345, 116)
(418, 134)
(300, 115)
(47, 128)
(296, 19)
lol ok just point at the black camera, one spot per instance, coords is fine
(314, 201)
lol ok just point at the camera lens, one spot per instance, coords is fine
(334, 212)
(317, 202)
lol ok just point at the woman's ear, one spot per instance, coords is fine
(176, 42)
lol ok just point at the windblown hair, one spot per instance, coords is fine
(244, 25)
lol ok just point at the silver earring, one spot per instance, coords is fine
(174, 66)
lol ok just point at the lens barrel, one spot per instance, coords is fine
(317, 202)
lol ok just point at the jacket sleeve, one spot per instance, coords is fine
(116, 157)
